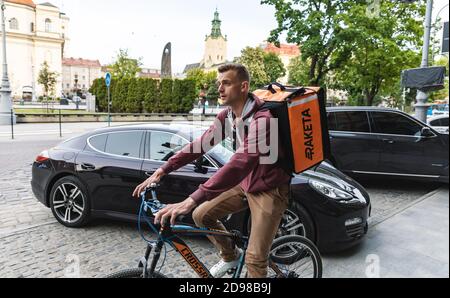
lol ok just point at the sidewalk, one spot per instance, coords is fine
(412, 243)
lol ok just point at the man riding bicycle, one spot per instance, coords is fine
(248, 180)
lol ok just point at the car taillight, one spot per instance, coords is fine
(42, 157)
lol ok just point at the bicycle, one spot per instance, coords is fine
(290, 256)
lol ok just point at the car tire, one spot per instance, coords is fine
(296, 221)
(70, 203)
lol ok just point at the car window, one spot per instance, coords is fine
(164, 145)
(436, 122)
(98, 142)
(332, 121)
(351, 121)
(395, 124)
(444, 122)
(124, 143)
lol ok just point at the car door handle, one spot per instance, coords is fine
(389, 141)
(149, 174)
(88, 166)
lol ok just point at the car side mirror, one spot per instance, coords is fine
(427, 133)
(198, 166)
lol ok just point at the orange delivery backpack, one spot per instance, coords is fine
(302, 123)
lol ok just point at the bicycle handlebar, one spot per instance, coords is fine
(154, 204)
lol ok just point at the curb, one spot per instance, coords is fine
(421, 199)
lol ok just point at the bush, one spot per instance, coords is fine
(150, 91)
(138, 95)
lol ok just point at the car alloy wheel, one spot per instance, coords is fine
(291, 224)
(68, 202)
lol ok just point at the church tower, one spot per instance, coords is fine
(215, 45)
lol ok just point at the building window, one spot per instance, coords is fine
(48, 25)
(68, 85)
(32, 27)
(13, 24)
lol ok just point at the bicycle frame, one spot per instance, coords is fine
(170, 234)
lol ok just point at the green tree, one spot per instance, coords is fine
(189, 96)
(133, 103)
(150, 89)
(177, 96)
(274, 67)
(253, 59)
(441, 94)
(212, 95)
(47, 79)
(382, 47)
(125, 67)
(166, 88)
(99, 89)
(299, 72)
(120, 96)
(317, 27)
(203, 80)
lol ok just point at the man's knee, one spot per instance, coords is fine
(202, 218)
(197, 216)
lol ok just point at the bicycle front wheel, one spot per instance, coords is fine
(134, 273)
(294, 257)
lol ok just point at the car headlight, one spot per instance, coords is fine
(330, 191)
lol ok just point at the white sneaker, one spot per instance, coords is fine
(221, 268)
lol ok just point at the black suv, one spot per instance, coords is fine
(386, 142)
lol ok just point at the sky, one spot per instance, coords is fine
(99, 28)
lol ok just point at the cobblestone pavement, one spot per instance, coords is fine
(33, 244)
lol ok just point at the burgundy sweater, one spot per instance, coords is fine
(244, 168)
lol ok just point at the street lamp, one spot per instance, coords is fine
(5, 89)
(422, 97)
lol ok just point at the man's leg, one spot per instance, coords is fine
(208, 215)
(267, 209)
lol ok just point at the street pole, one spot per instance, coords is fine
(109, 107)
(422, 97)
(5, 91)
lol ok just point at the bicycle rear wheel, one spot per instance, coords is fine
(294, 257)
(134, 273)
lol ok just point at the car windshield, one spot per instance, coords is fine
(223, 152)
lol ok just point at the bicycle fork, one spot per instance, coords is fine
(143, 263)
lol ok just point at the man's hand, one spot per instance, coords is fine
(175, 210)
(155, 178)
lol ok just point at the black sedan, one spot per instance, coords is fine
(382, 142)
(94, 175)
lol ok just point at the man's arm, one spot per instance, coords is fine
(213, 136)
(241, 164)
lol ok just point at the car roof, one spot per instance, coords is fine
(371, 109)
(185, 129)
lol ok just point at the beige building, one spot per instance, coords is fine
(286, 52)
(79, 74)
(35, 33)
(215, 48)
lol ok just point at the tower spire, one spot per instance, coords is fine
(216, 23)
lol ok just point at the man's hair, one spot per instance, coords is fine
(241, 71)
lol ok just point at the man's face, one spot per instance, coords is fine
(231, 89)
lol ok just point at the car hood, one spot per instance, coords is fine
(328, 174)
